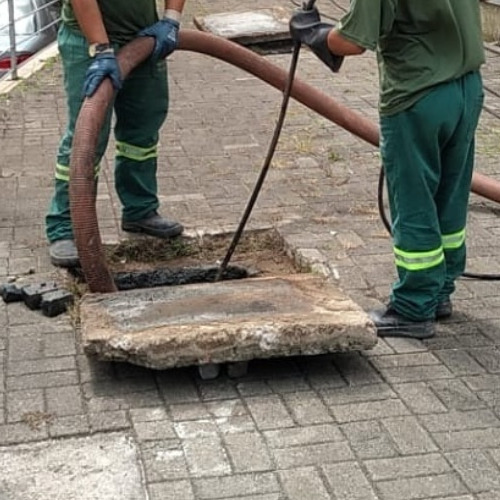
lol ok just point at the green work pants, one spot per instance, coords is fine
(140, 108)
(428, 156)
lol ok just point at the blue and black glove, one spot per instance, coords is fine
(306, 27)
(166, 35)
(103, 66)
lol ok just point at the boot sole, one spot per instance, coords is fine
(171, 233)
(402, 332)
(64, 262)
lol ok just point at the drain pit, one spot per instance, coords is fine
(175, 277)
(274, 312)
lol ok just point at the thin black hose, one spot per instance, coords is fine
(387, 225)
(270, 154)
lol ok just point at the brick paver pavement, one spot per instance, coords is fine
(407, 420)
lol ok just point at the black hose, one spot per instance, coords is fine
(387, 225)
(270, 154)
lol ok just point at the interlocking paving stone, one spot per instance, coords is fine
(102, 467)
(321, 194)
(299, 483)
(478, 472)
(348, 481)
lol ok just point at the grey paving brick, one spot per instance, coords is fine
(288, 385)
(403, 360)
(460, 362)
(216, 389)
(226, 408)
(416, 373)
(108, 421)
(356, 369)
(489, 358)
(419, 398)
(477, 471)
(409, 436)
(248, 452)
(369, 440)
(154, 430)
(42, 380)
(369, 410)
(421, 487)
(62, 401)
(405, 346)
(402, 467)
(206, 457)
(347, 481)
(172, 490)
(298, 436)
(148, 414)
(269, 412)
(43, 365)
(482, 382)
(124, 402)
(468, 439)
(21, 403)
(196, 429)
(164, 461)
(21, 432)
(362, 394)
(188, 411)
(321, 373)
(253, 388)
(307, 408)
(495, 455)
(236, 485)
(177, 387)
(491, 495)
(455, 395)
(303, 483)
(68, 425)
(315, 455)
(460, 421)
(59, 344)
(238, 423)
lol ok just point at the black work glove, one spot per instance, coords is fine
(306, 27)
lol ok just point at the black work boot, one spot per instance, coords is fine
(444, 309)
(154, 225)
(63, 253)
(390, 323)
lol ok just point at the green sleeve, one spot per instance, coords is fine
(367, 21)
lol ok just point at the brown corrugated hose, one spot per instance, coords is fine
(82, 186)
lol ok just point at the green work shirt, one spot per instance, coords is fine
(419, 44)
(123, 19)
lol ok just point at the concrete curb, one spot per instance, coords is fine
(30, 67)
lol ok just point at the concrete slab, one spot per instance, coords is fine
(226, 321)
(249, 27)
(103, 466)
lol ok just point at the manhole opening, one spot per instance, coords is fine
(149, 262)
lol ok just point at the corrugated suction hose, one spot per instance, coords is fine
(82, 186)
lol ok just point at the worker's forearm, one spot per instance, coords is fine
(340, 46)
(88, 16)
(177, 5)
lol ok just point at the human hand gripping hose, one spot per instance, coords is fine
(166, 34)
(103, 66)
(305, 28)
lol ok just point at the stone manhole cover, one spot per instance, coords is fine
(103, 467)
(224, 322)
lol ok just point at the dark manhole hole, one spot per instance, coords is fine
(148, 263)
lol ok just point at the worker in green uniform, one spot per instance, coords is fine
(91, 33)
(430, 54)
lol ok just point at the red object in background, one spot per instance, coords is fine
(5, 61)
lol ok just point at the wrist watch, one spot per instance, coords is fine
(100, 48)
